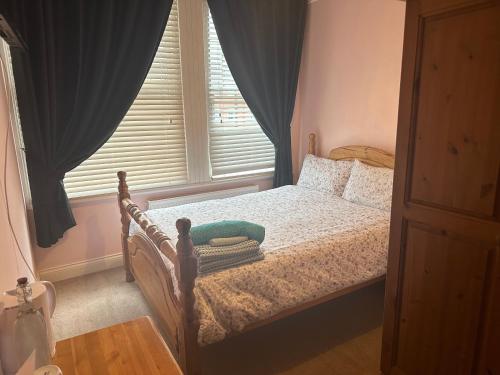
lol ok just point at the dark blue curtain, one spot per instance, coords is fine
(262, 44)
(84, 63)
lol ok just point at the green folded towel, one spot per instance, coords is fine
(201, 234)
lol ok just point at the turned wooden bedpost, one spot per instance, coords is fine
(312, 144)
(125, 219)
(188, 270)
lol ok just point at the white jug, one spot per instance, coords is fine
(44, 297)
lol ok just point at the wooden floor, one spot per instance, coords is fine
(342, 337)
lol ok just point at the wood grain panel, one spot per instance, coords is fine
(156, 285)
(444, 278)
(491, 364)
(441, 312)
(368, 155)
(133, 347)
(429, 7)
(489, 360)
(458, 111)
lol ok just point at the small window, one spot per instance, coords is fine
(238, 145)
(150, 141)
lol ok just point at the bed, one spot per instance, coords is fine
(318, 247)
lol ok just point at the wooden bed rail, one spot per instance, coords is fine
(159, 238)
(186, 271)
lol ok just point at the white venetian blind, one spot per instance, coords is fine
(237, 144)
(149, 143)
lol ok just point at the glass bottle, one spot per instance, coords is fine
(30, 329)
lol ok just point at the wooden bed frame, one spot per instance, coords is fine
(143, 263)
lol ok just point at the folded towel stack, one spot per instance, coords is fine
(226, 244)
(218, 258)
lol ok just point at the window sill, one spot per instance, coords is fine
(229, 176)
(177, 189)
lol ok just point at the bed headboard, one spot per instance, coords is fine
(369, 155)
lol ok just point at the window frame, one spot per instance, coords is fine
(228, 174)
(15, 121)
(193, 26)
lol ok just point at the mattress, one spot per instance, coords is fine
(316, 243)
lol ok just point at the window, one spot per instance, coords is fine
(150, 142)
(237, 143)
(189, 123)
(8, 76)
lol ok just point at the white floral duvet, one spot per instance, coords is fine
(316, 243)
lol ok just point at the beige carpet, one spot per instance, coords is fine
(341, 337)
(96, 301)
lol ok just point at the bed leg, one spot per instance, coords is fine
(188, 269)
(123, 193)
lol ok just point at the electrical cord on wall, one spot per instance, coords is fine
(6, 147)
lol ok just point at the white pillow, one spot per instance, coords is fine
(370, 186)
(324, 174)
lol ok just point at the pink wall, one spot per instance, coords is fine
(97, 233)
(12, 265)
(350, 74)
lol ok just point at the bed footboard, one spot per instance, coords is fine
(143, 263)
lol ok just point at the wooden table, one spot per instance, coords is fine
(134, 347)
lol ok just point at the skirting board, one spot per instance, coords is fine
(68, 271)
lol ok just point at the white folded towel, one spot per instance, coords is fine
(227, 241)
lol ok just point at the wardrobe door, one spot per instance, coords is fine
(442, 308)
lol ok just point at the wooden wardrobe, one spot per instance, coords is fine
(442, 309)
